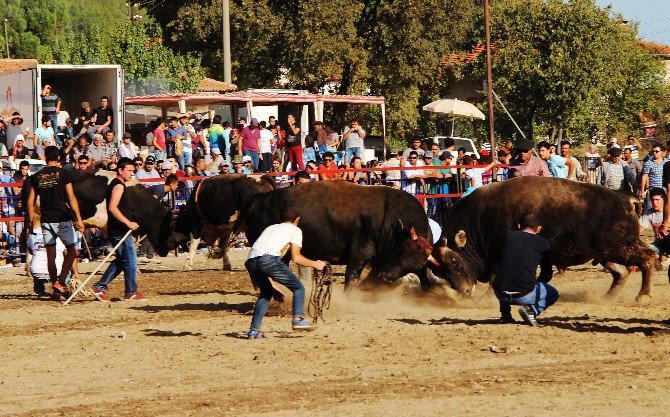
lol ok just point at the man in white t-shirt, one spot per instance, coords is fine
(265, 264)
(652, 218)
(187, 140)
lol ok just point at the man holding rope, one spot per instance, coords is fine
(119, 226)
(265, 264)
(53, 185)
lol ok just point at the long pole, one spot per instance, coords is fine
(227, 72)
(6, 40)
(489, 78)
(109, 255)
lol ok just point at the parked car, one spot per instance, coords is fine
(468, 144)
(9, 165)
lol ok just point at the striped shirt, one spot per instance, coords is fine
(50, 103)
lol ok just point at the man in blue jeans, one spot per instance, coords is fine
(265, 264)
(515, 284)
(118, 224)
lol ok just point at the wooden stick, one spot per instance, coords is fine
(88, 249)
(109, 255)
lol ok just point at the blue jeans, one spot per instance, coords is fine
(254, 159)
(308, 154)
(542, 297)
(263, 267)
(180, 160)
(160, 155)
(188, 158)
(126, 261)
(351, 152)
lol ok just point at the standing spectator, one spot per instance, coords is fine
(102, 118)
(127, 148)
(635, 164)
(249, 143)
(413, 178)
(264, 265)
(617, 174)
(392, 177)
(501, 172)
(414, 146)
(53, 185)
(96, 150)
(321, 138)
(187, 141)
(328, 164)
(16, 128)
(652, 218)
(174, 139)
(308, 152)
(593, 162)
(555, 163)
(111, 150)
(353, 140)
(215, 136)
(566, 152)
(652, 173)
(50, 105)
(634, 147)
(515, 283)
(119, 222)
(292, 143)
(525, 163)
(44, 132)
(267, 140)
(3, 133)
(149, 170)
(473, 176)
(158, 141)
(333, 139)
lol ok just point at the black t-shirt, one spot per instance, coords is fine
(666, 173)
(102, 115)
(291, 139)
(521, 254)
(115, 227)
(49, 184)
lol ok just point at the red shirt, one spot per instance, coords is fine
(332, 167)
(159, 135)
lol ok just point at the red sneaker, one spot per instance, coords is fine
(101, 295)
(135, 297)
(59, 287)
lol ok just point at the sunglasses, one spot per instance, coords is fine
(327, 159)
(412, 157)
(82, 163)
(139, 163)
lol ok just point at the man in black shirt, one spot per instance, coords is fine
(53, 185)
(119, 222)
(102, 120)
(515, 284)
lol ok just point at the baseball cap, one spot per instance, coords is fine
(150, 159)
(126, 135)
(246, 158)
(198, 116)
(446, 155)
(254, 122)
(166, 165)
(428, 154)
(524, 145)
(20, 137)
(615, 151)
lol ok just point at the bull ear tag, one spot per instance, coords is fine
(460, 238)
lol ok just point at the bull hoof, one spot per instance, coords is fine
(228, 267)
(643, 299)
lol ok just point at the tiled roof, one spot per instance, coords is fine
(209, 85)
(15, 65)
(658, 48)
(465, 57)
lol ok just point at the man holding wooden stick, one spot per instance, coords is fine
(119, 223)
(53, 185)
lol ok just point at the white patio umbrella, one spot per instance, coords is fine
(454, 107)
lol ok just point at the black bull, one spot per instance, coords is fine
(582, 222)
(352, 225)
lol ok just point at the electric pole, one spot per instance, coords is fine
(489, 79)
(227, 72)
(6, 39)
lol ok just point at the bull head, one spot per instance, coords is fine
(451, 266)
(408, 252)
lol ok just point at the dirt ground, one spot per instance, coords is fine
(181, 352)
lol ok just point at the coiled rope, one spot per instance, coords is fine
(322, 285)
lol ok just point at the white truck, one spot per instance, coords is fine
(21, 89)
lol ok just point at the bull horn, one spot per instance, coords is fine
(461, 238)
(402, 226)
(412, 233)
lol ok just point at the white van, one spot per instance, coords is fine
(468, 144)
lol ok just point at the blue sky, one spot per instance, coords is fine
(653, 15)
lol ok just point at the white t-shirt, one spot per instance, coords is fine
(475, 173)
(38, 264)
(214, 170)
(651, 219)
(266, 139)
(274, 238)
(186, 145)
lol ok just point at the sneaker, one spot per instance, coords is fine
(528, 315)
(255, 334)
(135, 296)
(101, 295)
(55, 296)
(59, 287)
(666, 323)
(302, 325)
(507, 320)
